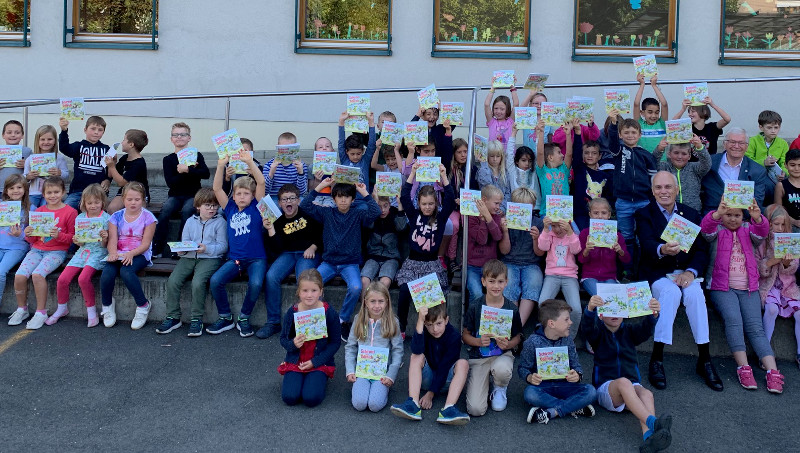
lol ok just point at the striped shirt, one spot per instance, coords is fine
(285, 174)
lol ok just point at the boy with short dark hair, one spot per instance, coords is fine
(383, 252)
(554, 398)
(651, 116)
(351, 149)
(87, 155)
(435, 366)
(277, 174)
(767, 148)
(130, 167)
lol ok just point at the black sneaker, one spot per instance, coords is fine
(538, 415)
(346, 330)
(587, 411)
(268, 330)
(168, 325)
(244, 327)
(195, 328)
(220, 326)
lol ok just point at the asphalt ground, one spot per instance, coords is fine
(68, 388)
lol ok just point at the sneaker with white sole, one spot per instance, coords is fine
(36, 322)
(17, 317)
(140, 318)
(109, 314)
(499, 399)
(538, 415)
(168, 325)
(587, 411)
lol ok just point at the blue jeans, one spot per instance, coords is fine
(279, 270)
(306, 387)
(352, 276)
(590, 285)
(128, 274)
(427, 377)
(564, 397)
(173, 204)
(625, 210)
(474, 285)
(256, 270)
(8, 259)
(74, 200)
(523, 282)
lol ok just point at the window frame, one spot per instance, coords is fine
(457, 50)
(623, 54)
(18, 38)
(752, 57)
(129, 41)
(338, 47)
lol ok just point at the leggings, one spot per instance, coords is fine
(452, 248)
(306, 387)
(84, 280)
(770, 314)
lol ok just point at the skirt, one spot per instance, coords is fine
(413, 269)
(786, 307)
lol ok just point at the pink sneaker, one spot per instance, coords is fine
(774, 381)
(55, 317)
(91, 322)
(746, 378)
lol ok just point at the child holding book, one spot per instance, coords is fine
(45, 141)
(500, 115)
(434, 367)
(47, 252)
(688, 173)
(552, 167)
(207, 229)
(493, 171)
(557, 397)
(277, 173)
(87, 155)
(616, 370)
(230, 171)
(383, 253)
(561, 270)
(767, 148)
(485, 232)
(308, 363)
(588, 132)
(13, 134)
(709, 133)
(351, 149)
(490, 357)
(130, 167)
(13, 246)
(375, 327)
(88, 260)
(441, 135)
(787, 193)
(458, 170)
(520, 165)
(589, 181)
(734, 287)
(599, 264)
(777, 284)
(651, 115)
(529, 136)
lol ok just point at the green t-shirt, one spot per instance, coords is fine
(552, 181)
(652, 134)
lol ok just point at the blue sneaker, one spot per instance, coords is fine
(168, 325)
(408, 410)
(268, 330)
(221, 325)
(195, 328)
(243, 325)
(452, 416)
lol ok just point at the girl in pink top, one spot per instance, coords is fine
(561, 270)
(500, 115)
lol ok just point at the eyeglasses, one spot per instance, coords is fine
(179, 135)
(288, 199)
(735, 143)
(210, 206)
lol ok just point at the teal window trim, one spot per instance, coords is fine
(19, 39)
(344, 48)
(474, 51)
(777, 59)
(139, 43)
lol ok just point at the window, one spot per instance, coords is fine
(760, 32)
(344, 27)
(129, 24)
(616, 30)
(15, 19)
(481, 28)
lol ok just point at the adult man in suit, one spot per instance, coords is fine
(659, 259)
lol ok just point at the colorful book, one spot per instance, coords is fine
(603, 233)
(428, 170)
(372, 362)
(559, 207)
(42, 162)
(357, 104)
(682, 231)
(239, 166)
(343, 174)
(72, 108)
(227, 144)
(679, 131)
(324, 161)
(42, 223)
(552, 363)
(268, 209)
(187, 156)
(580, 108)
(536, 82)
(387, 184)
(356, 123)
(787, 245)
(467, 200)
(619, 99)
(428, 97)
(525, 117)
(426, 291)
(554, 113)
(311, 323)
(183, 246)
(519, 216)
(288, 153)
(739, 194)
(503, 78)
(453, 111)
(646, 65)
(639, 296)
(615, 300)
(696, 92)
(10, 213)
(480, 148)
(88, 230)
(11, 154)
(392, 133)
(495, 322)
(416, 133)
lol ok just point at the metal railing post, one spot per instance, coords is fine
(464, 223)
(227, 113)
(25, 126)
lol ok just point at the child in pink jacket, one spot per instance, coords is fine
(485, 232)
(561, 269)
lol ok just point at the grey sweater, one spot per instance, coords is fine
(213, 234)
(375, 339)
(527, 360)
(689, 177)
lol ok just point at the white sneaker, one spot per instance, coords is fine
(17, 317)
(499, 399)
(140, 318)
(109, 314)
(36, 322)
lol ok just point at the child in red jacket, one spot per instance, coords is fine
(485, 232)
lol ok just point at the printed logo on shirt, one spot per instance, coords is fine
(794, 197)
(594, 189)
(650, 133)
(423, 234)
(90, 157)
(240, 222)
(626, 155)
(561, 255)
(293, 227)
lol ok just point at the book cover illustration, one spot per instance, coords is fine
(10, 213)
(679, 131)
(426, 291)
(466, 202)
(88, 230)
(288, 153)
(268, 209)
(615, 298)
(72, 108)
(525, 117)
(346, 175)
(392, 133)
(682, 231)
(695, 93)
(552, 363)
(324, 161)
(603, 233)
(536, 82)
(183, 246)
(453, 111)
(503, 78)
(187, 156)
(372, 362)
(554, 113)
(416, 133)
(428, 97)
(559, 207)
(619, 99)
(639, 296)
(356, 123)
(227, 144)
(519, 216)
(787, 245)
(480, 148)
(387, 184)
(311, 323)
(42, 223)
(43, 163)
(646, 64)
(495, 322)
(357, 104)
(428, 170)
(11, 154)
(581, 108)
(739, 194)
(239, 166)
